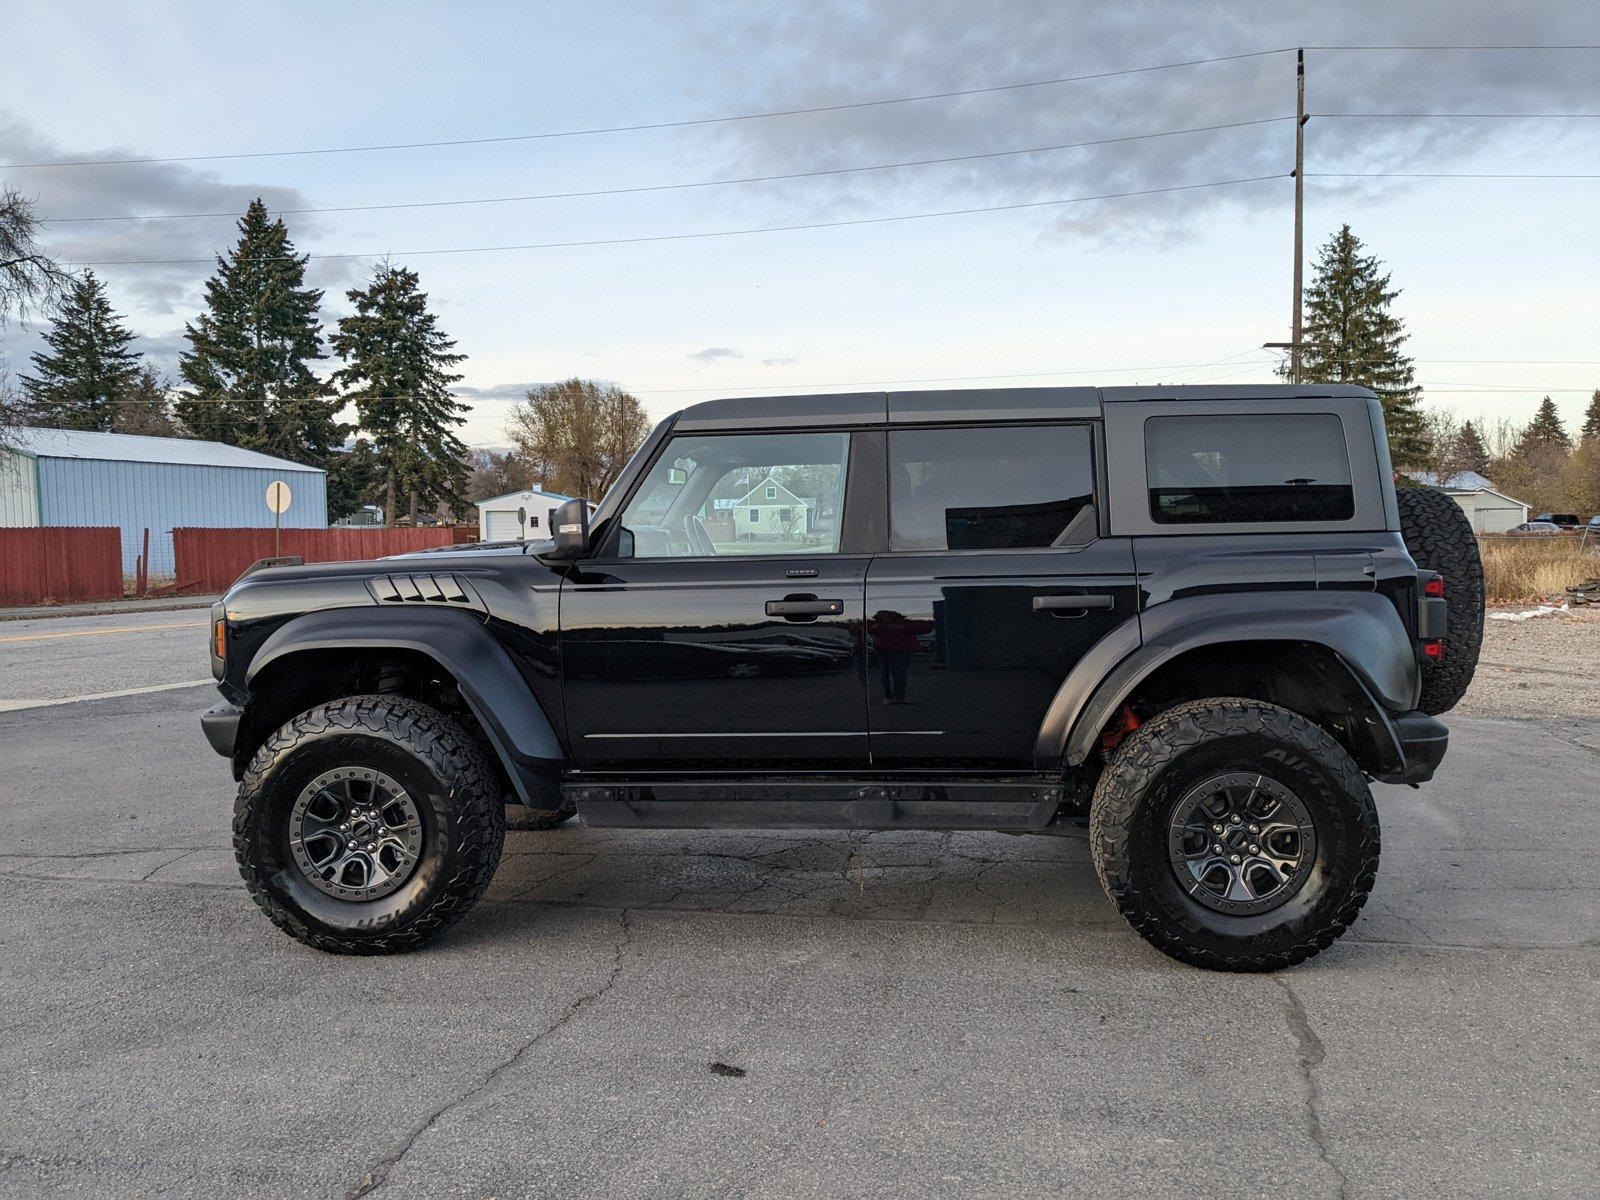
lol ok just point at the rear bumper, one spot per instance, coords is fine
(221, 727)
(1423, 742)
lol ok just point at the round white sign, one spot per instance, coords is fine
(278, 496)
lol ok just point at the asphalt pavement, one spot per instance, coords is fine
(776, 1014)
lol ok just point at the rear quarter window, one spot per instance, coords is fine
(1214, 470)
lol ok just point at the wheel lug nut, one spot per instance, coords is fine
(1234, 858)
(1216, 829)
(1216, 848)
(1255, 829)
(1254, 849)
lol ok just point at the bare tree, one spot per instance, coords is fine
(577, 435)
(29, 278)
(495, 473)
(11, 404)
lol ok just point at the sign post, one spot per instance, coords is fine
(278, 500)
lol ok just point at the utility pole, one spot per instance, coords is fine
(1299, 210)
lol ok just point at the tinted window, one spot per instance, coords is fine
(1212, 470)
(718, 495)
(999, 488)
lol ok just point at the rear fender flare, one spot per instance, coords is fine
(1362, 629)
(517, 728)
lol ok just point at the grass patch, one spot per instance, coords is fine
(1534, 568)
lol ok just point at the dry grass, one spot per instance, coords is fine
(1534, 568)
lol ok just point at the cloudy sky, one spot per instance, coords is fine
(1501, 277)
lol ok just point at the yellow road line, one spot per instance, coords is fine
(45, 637)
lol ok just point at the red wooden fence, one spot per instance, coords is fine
(209, 560)
(60, 564)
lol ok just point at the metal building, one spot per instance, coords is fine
(70, 477)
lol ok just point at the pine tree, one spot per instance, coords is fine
(1591, 419)
(1470, 450)
(1545, 431)
(398, 374)
(147, 407)
(90, 368)
(353, 479)
(1352, 337)
(249, 364)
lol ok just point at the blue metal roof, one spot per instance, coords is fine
(126, 447)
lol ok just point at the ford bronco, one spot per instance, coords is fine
(1201, 620)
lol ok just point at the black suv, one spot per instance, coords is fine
(1201, 619)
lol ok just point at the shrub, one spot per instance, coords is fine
(1534, 568)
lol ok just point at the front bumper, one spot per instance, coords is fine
(1423, 742)
(221, 727)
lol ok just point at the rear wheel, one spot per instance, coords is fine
(1235, 835)
(1439, 537)
(368, 825)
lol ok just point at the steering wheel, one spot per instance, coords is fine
(700, 543)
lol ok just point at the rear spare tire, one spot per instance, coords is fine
(1440, 538)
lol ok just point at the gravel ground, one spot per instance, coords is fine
(1544, 668)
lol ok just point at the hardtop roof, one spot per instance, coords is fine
(968, 404)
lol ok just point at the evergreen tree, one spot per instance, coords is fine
(398, 372)
(147, 407)
(1352, 337)
(249, 363)
(1544, 432)
(1591, 419)
(1470, 451)
(353, 479)
(89, 368)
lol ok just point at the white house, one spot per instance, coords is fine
(518, 516)
(1490, 511)
(771, 512)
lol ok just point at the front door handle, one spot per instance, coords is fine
(804, 609)
(1072, 603)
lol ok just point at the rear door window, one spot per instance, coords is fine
(1242, 470)
(1002, 487)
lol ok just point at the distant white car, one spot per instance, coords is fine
(1534, 529)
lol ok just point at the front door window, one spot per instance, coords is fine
(739, 494)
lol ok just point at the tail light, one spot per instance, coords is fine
(1434, 586)
(1433, 649)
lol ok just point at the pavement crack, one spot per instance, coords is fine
(378, 1174)
(1312, 1055)
(145, 878)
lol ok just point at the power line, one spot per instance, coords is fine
(1480, 47)
(1439, 175)
(1425, 116)
(655, 125)
(718, 233)
(671, 187)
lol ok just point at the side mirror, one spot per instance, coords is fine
(570, 528)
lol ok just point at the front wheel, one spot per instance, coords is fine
(1235, 835)
(368, 825)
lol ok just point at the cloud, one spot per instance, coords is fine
(778, 362)
(841, 50)
(716, 353)
(510, 393)
(128, 190)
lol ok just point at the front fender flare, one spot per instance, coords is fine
(1361, 628)
(489, 682)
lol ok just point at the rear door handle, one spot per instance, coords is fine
(804, 608)
(1072, 603)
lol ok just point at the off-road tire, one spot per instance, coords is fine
(447, 777)
(1440, 538)
(1144, 782)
